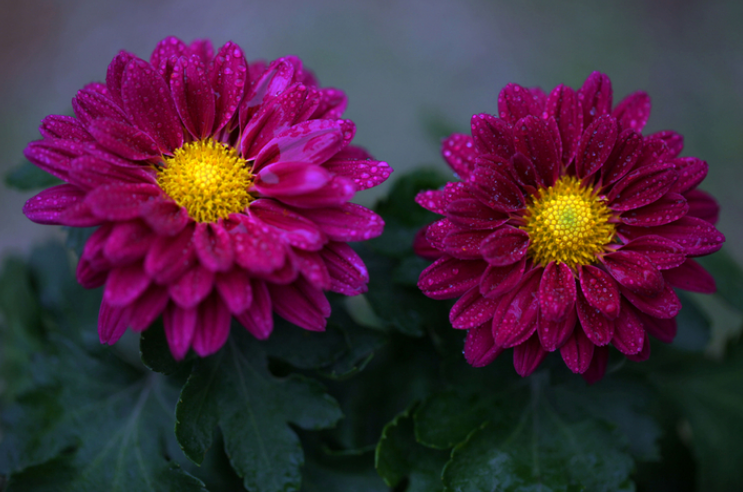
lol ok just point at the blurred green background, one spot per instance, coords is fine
(413, 69)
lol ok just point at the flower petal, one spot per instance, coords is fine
(348, 274)
(597, 327)
(63, 127)
(471, 309)
(600, 290)
(533, 138)
(125, 284)
(557, 292)
(192, 287)
(662, 252)
(597, 368)
(112, 322)
(692, 171)
(228, 76)
(596, 146)
(148, 101)
(213, 247)
(577, 351)
(668, 208)
(180, 326)
(297, 229)
(235, 288)
(115, 74)
(212, 326)
(145, 310)
(301, 303)
(633, 111)
(642, 186)
(48, 206)
(347, 222)
(674, 141)
(505, 246)
(554, 334)
(496, 190)
(623, 157)
(691, 276)
(89, 172)
(702, 206)
(497, 281)
(128, 242)
(290, 178)
(596, 97)
(120, 202)
(563, 105)
(516, 102)
(193, 95)
(662, 329)
(634, 271)
(165, 216)
(665, 305)
(449, 277)
(170, 257)
(629, 334)
(259, 249)
(698, 237)
(464, 243)
(90, 105)
(258, 319)
(167, 48)
(491, 135)
(515, 318)
(460, 153)
(123, 139)
(365, 173)
(473, 214)
(527, 356)
(479, 347)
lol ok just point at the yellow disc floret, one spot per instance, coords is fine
(208, 178)
(567, 223)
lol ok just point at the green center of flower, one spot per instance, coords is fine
(567, 223)
(208, 178)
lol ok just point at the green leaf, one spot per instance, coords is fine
(709, 394)
(728, 276)
(361, 344)
(402, 308)
(399, 456)
(540, 450)
(115, 419)
(235, 390)
(155, 351)
(27, 177)
(304, 349)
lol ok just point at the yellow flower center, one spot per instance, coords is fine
(567, 223)
(208, 178)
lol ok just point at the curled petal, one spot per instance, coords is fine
(125, 284)
(168, 47)
(479, 347)
(642, 186)
(633, 111)
(90, 105)
(527, 356)
(634, 271)
(563, 105)
(643, 354)
(63, 127)
(662, 252)
(496, 190)
(118, 202)
(112, 322)
(213, 247)
(48, 206)
(258, 319)
(505, 246)
(123, 139)
(596, 145)
(629, 334)
(497, 281)
(692, 171)
(533, 138)
(423, 248)
(577, 351)
(471, 309)
(128, 242)
(515, 318)
(212, 326)
(597, 327)
(193, 95)
(365, 173)
(668, 208)
(347, 222)
(600, 290)
(147, 307)
(623, 157)
(180, 326)
(235, 288)
(301, 304)
(674, 141)
(597, 368)
(554, 334)
(691, 276)
(290, 178)
(449, 277)
(665, 305)
(192, 287)
(228, 76)
(491, 135)
(516, 102)
(165, 216)
(595, 97)
(348, 274)
(170, 257)
(115, 74)
(557, 292)
(296, 228)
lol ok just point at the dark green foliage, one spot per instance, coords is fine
(27, 177)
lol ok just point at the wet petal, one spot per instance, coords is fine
(497, 281)
(629, 334)
(235, 288)
(516, 102)
(125, 284)
(505, 246)
(258, 319)
(597, 327)
(533, 138)
(642, 186)
(479, 347)
(668, 208)
(228, 76)
(212, 326)
(623, 157)
(600, 290)
(557, 292)
(662, 252)
(471, 309)
(596, 145)
(703, 206)
(180, 326)
(577, 351)
(633, 111)
(563, 105)
(665, 305)
(698, 237)
(449, 277)
(634, 271)
(192, 287)
(491, 135)
(528, 356)
(193, 95)
(595, 97)
(554, 334)
(301, 304)
(690, 276)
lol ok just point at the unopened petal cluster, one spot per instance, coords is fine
(569, 229)
(220, 189)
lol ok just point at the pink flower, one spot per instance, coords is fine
(221, 189)
(569, 229)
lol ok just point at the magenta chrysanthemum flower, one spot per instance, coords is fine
(569, 229)
(221, 189)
